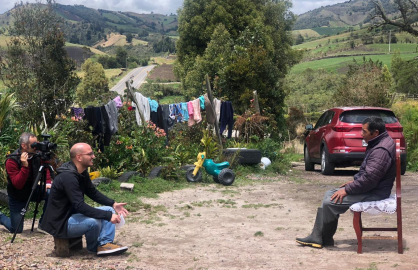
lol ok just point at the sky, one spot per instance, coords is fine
(157, 6)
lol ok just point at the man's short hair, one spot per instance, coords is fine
(375, 123)
(25, 137)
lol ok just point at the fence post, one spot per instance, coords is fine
(210, 96)
(133, 97)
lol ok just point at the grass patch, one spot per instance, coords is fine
(259, 205)
(159, 60)
(172, 99)
(259, 234)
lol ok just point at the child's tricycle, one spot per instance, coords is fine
(220, 172)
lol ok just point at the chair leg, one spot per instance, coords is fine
(358, 229)
(399, 229)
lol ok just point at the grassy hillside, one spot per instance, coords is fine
(349, 13)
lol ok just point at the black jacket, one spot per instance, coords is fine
(378, 170)
(67, 198)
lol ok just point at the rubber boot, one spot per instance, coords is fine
(315, 239)
(328, 232)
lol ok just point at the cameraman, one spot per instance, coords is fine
(22, 170)
(68, 216)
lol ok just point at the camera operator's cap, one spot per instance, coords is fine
(122, 222)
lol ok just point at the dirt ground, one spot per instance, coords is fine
(249, 227)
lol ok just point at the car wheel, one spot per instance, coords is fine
(226, 177)
(327, 168)
(309, 166)
(403, 167)
(4, 198)
(191, 178)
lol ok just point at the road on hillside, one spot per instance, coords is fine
(137, 75)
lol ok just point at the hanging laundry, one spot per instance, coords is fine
(157, 117)
(197, 117)
(153, 104)
(210, 112)
(202, 102)
(175, 111)
(78, 113)
(227, 118)
(217, 105)
(142, 106)
(95, 119)
(112, 117)
(118, 102)
(168, 120)
(184, 111)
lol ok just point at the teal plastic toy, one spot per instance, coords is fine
(220, 171)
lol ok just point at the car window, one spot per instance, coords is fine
(357, 117)
(325, 119)
(321, 120)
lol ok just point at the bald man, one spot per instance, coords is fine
(68, 216)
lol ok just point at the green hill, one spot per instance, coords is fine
(345, 14)
(87, 26)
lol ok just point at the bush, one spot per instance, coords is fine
(407, 113)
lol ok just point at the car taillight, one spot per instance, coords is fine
(342, 128)
(395, 129)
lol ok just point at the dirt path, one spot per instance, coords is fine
(250, 227)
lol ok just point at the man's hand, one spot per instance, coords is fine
(115, 219)
(24, 159)
(343, 185)
(120, 209)
(339, 195)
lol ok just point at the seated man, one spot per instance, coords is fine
(22, 168)
(373, 182)
(68, 216)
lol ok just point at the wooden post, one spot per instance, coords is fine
(132, 96)
(210, 96)
(256, 105)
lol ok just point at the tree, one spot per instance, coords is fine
(404, 74)
(366, 84)
(121, 56)
(243, 45)
(408, 10)
(36, 66)
(94, 84)
(129, 38)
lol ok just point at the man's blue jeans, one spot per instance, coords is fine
(97, 231)
(15, 207)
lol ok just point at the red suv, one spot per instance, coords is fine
(336, 139)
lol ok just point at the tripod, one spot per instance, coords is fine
(41, 182)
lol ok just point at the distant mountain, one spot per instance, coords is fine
(86, 26)
(345, 14)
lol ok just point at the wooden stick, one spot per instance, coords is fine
(210, 96)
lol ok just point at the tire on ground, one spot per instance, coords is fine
(226, 177)
(4, 198)
(100, 180)
(126, 175)
(327, 168)
(216, 179)
(191, 178)
(156, 172)
(309, 166)
(246, 156)
(187, 166)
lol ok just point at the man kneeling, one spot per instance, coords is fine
(68, 216)
(373, 182)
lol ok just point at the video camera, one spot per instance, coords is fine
(45, 146)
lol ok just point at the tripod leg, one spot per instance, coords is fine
(23, 213)
(41, 194)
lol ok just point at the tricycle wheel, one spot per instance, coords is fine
(216, 179)
(226, 177)
(191, 178)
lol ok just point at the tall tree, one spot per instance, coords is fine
(36, 66)
(366, 84)
(94, 84)
(408, 10)
(243, 45)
